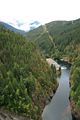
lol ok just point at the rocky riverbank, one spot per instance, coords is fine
(54, 63)
(6, 115)
(75, 111)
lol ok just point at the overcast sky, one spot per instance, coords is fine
(20, 13)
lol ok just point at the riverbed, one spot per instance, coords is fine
(59, 107)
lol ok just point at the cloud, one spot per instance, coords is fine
(19, 25)
(35, 23)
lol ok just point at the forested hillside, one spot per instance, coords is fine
(25, 78)
(62, 39)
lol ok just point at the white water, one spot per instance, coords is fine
(63, 67)
(59, 108)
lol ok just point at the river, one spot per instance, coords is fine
(59, 107)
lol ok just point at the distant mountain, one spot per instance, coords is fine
(6, 25)
(58, 38)
(34, 25)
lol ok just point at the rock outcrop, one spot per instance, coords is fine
(52, 62)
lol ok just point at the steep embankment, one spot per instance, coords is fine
(25, 77)
(75, 89)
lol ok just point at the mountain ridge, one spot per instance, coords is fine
(10, 27)
(63, 35)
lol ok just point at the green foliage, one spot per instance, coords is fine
(25, 77)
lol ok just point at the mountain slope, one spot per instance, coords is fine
(7, 26)
(60, 36)
(25, 77)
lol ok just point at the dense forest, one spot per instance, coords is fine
(26, 79)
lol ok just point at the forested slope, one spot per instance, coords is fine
(25, 78)
(65, 36)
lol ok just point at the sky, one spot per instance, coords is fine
(20, 13)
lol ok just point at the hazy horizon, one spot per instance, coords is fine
(21, 14)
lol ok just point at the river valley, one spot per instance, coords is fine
(59, 107)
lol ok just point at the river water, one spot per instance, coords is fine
(59, 107)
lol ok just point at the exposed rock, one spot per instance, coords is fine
(52, 62)
(5, 115)
(75, 111)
